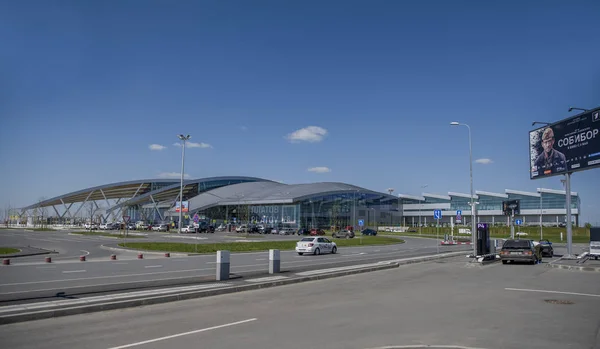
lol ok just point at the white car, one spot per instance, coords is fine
(315, 245)
(188, 229)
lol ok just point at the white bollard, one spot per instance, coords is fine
(274, 262)
(222, 265)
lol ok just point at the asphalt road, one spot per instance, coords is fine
(31, 278)
(436, 303)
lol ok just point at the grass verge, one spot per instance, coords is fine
(250, 246)
(120, 236)
(43, 229)
(580, 235)
(8, 250)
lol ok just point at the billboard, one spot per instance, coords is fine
(568, 145)
(184, 204)
(511, 207)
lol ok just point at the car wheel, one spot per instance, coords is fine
(504, 262)
(334, 236)
(301, 253)
(317, 252)
(347, 236)
(334, 250)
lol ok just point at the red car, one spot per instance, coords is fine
(314, 232)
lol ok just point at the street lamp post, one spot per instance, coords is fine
(473, 230)
(422, 187)
(184, 139)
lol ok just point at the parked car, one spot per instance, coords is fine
(188, 229)
(286, 231)
(547, 249)
(204, 227)
(159, 227)
(369, 232)
(315, 232)
(241, 228)
(519, 251)
(303, 231)
(315, 245)
(348, 234)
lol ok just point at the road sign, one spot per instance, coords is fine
(196, 218)
(458, 212)
(126, 219)
(361, 222)
(437, 214)
(518, 221)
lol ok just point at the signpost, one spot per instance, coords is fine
(518, 221)
(458, 216)
(361, 222)
(510, 208)
(126, 221)
(437, 214)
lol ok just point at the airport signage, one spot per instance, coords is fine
(568, 145)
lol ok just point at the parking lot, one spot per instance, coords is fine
(448, 302)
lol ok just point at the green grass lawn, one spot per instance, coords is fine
(43, 229)
(95, 233)
(8, 250)
(580, 235)
(251, 246)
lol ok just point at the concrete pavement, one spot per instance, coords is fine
(436, 303)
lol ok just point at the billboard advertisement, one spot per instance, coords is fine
(184, 204)
(568, 145)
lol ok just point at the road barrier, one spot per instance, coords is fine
(140, 256)
(223, 261)
(82, 258)
(113, 257)
(167, 254)
(48, 260)
(274, 262)
(6, 262)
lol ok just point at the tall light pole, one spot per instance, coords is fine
(184, 139)
(473, 230)
(422, 187)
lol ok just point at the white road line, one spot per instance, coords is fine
(556, 292)
(153, 266)
(183, 334)
(45, 267)
(121, 263)
(73, 271)
(86, 252)
(261, 259)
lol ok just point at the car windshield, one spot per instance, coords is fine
(516, 244)
(307, 239)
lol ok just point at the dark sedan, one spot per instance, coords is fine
(369, 232)
(547, 249)
(518, 251)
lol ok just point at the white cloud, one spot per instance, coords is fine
(156, 147)
(194, 145)
(172, 175)
(484, 161)
(308, 134)
(321, 169)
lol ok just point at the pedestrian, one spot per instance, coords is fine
(538, 251)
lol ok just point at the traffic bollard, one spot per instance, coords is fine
(6, 261)
(48, 260)
(222, 265)
(167, 254)
(274, 262)
(113, 257)
(140, 256)
(82, 258)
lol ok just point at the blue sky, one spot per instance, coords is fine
(88, 86)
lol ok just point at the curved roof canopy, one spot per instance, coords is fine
(256, 193)
(130, 189)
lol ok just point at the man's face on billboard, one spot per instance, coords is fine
(548, 144)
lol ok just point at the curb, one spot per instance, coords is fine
(572, 267)
(45, 314)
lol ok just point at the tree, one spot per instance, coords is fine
(588, 225)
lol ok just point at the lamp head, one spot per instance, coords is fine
(454, 123)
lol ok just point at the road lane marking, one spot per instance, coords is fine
(121, 263)
(183, 334)
(73, 271)
(153, 266)
(86, 252)
(261, 259)
(45, 267)
(556, 292)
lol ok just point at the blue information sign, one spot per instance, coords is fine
(361, 222)
(518, 221)
(437, 214)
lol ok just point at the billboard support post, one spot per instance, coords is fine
(569, 224)
(512, 224)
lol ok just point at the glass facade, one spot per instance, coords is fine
(460, 203)
(324, 212)
(489, 203)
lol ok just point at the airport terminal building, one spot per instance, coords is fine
(242, 200)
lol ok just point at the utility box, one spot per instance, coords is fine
(595, 242)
